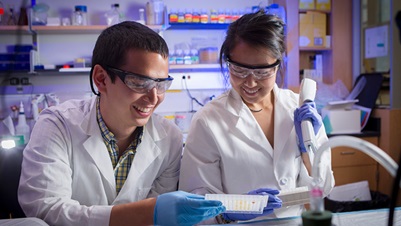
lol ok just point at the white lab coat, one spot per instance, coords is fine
(227, 152)
(67, 177)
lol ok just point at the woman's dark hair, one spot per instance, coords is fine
(256, 29)
(114, 42)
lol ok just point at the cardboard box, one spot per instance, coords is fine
(323, 5)
(312, 29)
(339, 120)
(306, 4)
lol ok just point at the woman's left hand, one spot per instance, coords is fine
(305, 112)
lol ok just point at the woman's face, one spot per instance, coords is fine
(258, 83)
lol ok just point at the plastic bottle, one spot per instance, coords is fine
(194, 56)
(181, 16)
(214, 18)
(22, 127)
(113, 15)
(172, 58)
(229, 16)
(80, 18)
(204, 17)
(141, 12)
(173, 16)
(235, 15)
(196, 17)
(179, 56)
(188, 16)
(221, 17)
(187, 57)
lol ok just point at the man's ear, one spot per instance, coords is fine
(99, 76)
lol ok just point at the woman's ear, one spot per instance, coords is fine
(99, 76)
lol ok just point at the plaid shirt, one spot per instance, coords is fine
(123, 164)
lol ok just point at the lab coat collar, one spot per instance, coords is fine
(95, 146)
(250, 128)
(146, 153)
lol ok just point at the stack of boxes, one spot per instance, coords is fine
(17, 57)
(312, 24)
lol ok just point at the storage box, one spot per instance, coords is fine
(339, 120)
(312, 29)
(323, 5)
(306, 4)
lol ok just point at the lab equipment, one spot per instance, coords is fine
(79, 17)
(47, 100)
(22, 127)
(182, 208)
(272, 203)
(113, 15)
(307, 95)
(252, 204)
(317, 215)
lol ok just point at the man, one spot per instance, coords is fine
(109, 160)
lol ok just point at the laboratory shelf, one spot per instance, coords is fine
(193, 67)
(314, 49)
(91, 29)
(14, 29)
(198, 26)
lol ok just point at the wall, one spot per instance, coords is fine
(64, 48)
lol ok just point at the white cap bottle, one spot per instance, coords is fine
(22, 127)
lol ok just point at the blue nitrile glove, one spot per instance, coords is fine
(273, 203)
(306, 111)
(182, 208)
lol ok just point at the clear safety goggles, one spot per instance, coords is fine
(259, 72)
(141, 83)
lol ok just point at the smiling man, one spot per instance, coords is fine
(109, 160)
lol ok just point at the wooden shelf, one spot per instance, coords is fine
(13, 29)
(91, 29)
(314, 10)
(198, 26)
(314, 49)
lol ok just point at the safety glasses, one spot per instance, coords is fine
(141, 83)
(259, 72)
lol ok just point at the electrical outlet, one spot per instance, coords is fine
(24, 81)
(14, 81)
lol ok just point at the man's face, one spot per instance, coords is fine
(129, 108)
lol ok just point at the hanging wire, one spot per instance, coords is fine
(184, 81)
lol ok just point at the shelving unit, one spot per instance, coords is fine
(337, 59)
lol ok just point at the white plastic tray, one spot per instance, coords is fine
(248, 204)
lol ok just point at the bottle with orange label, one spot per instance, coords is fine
(204, 17)
(196, 17)
(214, 18)
(188, 16)
(173, 16)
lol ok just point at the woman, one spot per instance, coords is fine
(247, 138)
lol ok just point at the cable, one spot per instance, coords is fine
(184, 80)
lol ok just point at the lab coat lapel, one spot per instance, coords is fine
(147, 151)
(246, 124)
(95, 146)
(283, 126)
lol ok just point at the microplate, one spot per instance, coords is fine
(247, 204)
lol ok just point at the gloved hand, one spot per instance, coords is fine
(273, 203)
(182, 208)
(306, 111)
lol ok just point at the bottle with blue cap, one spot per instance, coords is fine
(80, 18)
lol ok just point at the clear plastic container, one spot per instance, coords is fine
(113, 15)
(80, 17)
(247, 204)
